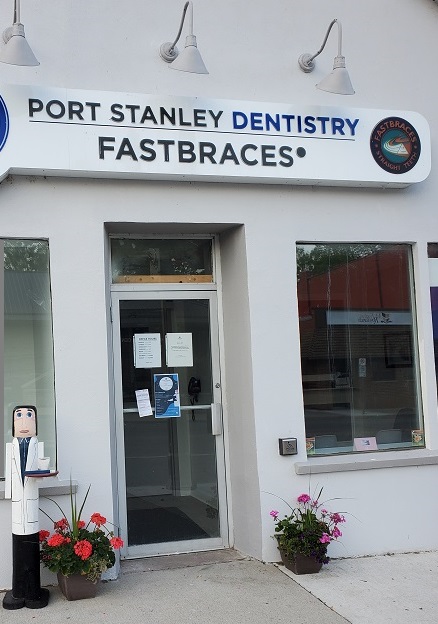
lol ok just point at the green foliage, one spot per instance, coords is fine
(318, 259)
(77, 547)
(302, 536)
(26, 255)
(63, 558)
(308, 530)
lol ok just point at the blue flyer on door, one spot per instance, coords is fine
(167, 401)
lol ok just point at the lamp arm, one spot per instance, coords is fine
(182, 24)
(332, 23)
(16, 12)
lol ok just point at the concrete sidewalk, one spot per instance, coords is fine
(199, 590)
(224, 587)
(400, 588)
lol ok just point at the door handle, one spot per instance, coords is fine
(216, 419)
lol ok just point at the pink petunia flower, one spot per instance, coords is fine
(336, 533)
(303, 498)
(274, 513)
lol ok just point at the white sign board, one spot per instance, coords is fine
(52, 131)
(179, 349)
(147, 350)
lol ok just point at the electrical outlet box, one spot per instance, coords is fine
(287, 446)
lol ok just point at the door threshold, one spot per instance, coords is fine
(184, 560)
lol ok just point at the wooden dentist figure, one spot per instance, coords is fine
(21, 458)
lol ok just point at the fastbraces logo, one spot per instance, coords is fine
(4, 123)
(395, 145)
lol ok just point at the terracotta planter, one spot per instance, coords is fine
(77, 586)
(300, 564)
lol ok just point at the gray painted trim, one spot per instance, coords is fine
(57, 488)
(370, 461)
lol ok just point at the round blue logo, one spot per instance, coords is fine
(395, 145)
(4, 123)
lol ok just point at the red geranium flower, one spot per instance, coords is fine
(97, 519)
(62, 524)
(81, 524)
(116, 542)
(56, 540)
(83, 549)
(43, 535)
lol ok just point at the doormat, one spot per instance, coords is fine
(162, 524)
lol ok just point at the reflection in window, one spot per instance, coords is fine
(28, 344)
(161, 260)
(358, 354)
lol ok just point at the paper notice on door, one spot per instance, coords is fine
(167, 400)
(143, 403)
(147, 350)
(179, 349)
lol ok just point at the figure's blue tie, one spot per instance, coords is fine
(24, 447)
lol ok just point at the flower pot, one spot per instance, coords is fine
(300, 564)
(77, 586)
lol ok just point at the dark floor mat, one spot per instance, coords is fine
(169, 524)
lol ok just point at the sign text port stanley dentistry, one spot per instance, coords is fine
(103, 134)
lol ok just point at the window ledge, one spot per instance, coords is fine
(55, 488)
(368, 461)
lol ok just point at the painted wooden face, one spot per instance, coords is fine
(24, 422)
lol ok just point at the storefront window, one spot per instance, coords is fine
(161, 260)
(358, 348)
(28, 346)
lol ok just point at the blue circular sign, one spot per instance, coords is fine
(4, 123)
(395, 145)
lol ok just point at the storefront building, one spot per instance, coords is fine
(197, 267)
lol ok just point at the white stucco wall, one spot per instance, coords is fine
(251, 54)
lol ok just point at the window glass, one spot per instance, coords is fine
(28, 344)
(432, 249)
(161, 260)
(358, 354)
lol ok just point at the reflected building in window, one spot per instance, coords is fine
(358, 353)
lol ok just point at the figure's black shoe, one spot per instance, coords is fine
(41, 602)
(9, 602)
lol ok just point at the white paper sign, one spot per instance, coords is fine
(365, 444)
(143, 403)
(179, 349)
(147, 350)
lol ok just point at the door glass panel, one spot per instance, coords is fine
(170, 463)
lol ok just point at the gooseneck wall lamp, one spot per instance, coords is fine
(339, 80)
(16, 50)
(189, 60)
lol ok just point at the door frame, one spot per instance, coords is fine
(157, 294)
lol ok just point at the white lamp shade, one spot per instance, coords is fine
(339, 80)
(190, 60)
(17, 51)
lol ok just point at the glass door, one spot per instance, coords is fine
(171, 468)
